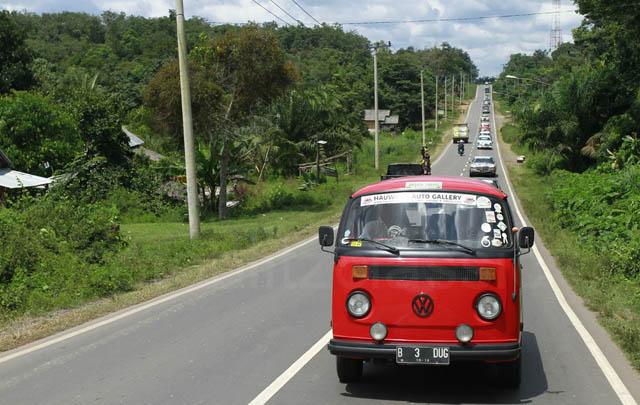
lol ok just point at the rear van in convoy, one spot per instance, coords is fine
(426, 272)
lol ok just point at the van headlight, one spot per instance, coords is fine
(489, 307)
(358, 304)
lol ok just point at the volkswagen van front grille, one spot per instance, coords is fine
(424, 273)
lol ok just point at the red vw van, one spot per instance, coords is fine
(426, 272)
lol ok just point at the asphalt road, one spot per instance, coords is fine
(240, 337)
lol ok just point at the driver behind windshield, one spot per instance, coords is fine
(384, 221)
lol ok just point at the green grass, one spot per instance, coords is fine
(615, 298)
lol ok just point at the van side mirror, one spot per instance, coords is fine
(525, 237)
(325, 235)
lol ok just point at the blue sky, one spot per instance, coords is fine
(488, 41)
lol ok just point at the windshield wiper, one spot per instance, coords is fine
(386, 247)
(444, 242)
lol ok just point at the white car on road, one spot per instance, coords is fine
(482, 165)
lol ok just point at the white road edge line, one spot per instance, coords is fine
(156, 301)
(614, 380)
(289, 373)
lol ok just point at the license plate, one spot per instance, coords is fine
(436, 355)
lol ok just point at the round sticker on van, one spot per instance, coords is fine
(486, 227)
(485, 242)
(483, 202)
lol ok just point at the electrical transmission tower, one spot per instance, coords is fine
(556, 32)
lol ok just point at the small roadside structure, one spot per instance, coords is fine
(135, 143)
(386, 121)
(13, 179)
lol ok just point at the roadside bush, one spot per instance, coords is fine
(544, 163)
(602, 208)
(50, 249)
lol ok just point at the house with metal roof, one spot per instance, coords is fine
(13, 179)
(386, 121)
(135, 144)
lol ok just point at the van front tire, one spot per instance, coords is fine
(349, 370)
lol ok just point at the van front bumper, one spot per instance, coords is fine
(458, 352)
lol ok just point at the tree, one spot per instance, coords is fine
(162, 94)
(39, 136)
(15, 57)
(100, 127)
(251, 69)
(301, 118)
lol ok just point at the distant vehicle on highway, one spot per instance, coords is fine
(402, 169)
(426, 272)
(460, 133)
(482, 165)
(484, 142)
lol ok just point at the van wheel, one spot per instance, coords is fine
(510, 374)
(349, 370)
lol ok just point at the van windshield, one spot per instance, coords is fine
(408, 219)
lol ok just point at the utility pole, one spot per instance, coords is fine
(445, 98)
(437, 106)
(187, 123)
(375, 101)
(424, 140)
(461, 88)
(453, 96)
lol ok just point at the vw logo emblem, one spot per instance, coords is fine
(422, 305)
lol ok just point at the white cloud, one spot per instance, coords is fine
(489, 42)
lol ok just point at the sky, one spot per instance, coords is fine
(489, 41)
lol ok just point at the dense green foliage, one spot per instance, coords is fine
(579, 103)
(579, 112)
(35, 131)
(603, 208)
(15, 57)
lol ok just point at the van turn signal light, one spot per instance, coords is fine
(487, 274)
(360, 272)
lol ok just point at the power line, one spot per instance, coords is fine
(284, 11)
(269, 11)
(436, 19)
(421, 21)
(455, 19)
(305, 11)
